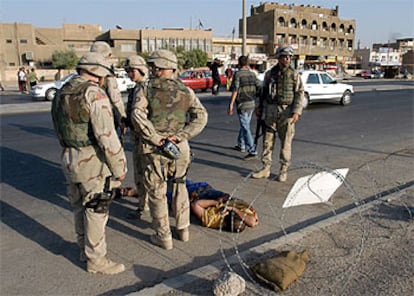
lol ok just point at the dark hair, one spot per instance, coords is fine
(243, 61)
(233, 222)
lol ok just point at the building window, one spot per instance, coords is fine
(323, 42)
(350, 29)
(9, 41)
(304, 24)
(314, 25)
(293, 39)
(341, 28)
(281, 22)
(23, 41)
(325, 26)
(12, 64)
(332, 43)
(333, 27)
(314, 41)
(292, 23)
(303, 41)
(349, 44)
(341, 43)
(280, 39)
(128, 48)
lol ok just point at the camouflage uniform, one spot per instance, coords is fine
(83, 121)
(115, 96)
(110, 85)
(137, 69)
(282, 96)
(135, 94)
(160, 113)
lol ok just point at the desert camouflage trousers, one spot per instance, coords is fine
(89, 226)
(139, 167)
(278, 119)
(158, 169)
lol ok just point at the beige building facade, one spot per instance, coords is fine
(318, 35)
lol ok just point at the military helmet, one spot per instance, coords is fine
(95, 64)
(164, 59)
(102, 47)
(284, 51)
(136, 62)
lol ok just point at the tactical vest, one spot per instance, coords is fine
(282, 86)
(71, 115)
(168, 103)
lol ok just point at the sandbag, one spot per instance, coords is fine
(282, 270)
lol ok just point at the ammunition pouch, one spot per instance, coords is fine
(169, 150)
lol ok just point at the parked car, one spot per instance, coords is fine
(47, 90)
(199, 79)
(367, 74)
(321, 87)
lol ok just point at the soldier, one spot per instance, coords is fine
(111, 86)
(281, 102)
(167, 117)
(138, 72)
(83, 120)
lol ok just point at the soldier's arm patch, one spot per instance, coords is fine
(100, 95)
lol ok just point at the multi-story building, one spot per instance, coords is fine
(317, 34)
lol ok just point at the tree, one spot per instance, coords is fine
(191, 59)
(64, 59)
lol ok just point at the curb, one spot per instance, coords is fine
(206, 272)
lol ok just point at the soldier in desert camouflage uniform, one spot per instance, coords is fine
(83, 120)
(138, 72)
(168, 112)
(111, 86)
(281, 103)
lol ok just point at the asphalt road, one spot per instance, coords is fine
(373, 137)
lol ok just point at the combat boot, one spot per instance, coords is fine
(105, 266)
(283, 173)
(165, 243)
(263, 173)
(183, 234)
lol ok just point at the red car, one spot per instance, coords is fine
(199, 79)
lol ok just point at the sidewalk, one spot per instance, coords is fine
(344, 256)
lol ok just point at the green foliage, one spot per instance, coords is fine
(64, 59)
(188, 59)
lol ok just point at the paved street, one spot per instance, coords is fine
(366, 251)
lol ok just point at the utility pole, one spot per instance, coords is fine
(244, 28)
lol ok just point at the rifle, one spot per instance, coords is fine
(260, 130)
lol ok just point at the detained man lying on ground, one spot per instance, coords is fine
(214, 208)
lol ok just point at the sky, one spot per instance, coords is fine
(377, 21)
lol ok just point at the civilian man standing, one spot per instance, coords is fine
(244, 90)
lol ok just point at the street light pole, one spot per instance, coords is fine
(244, 28)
